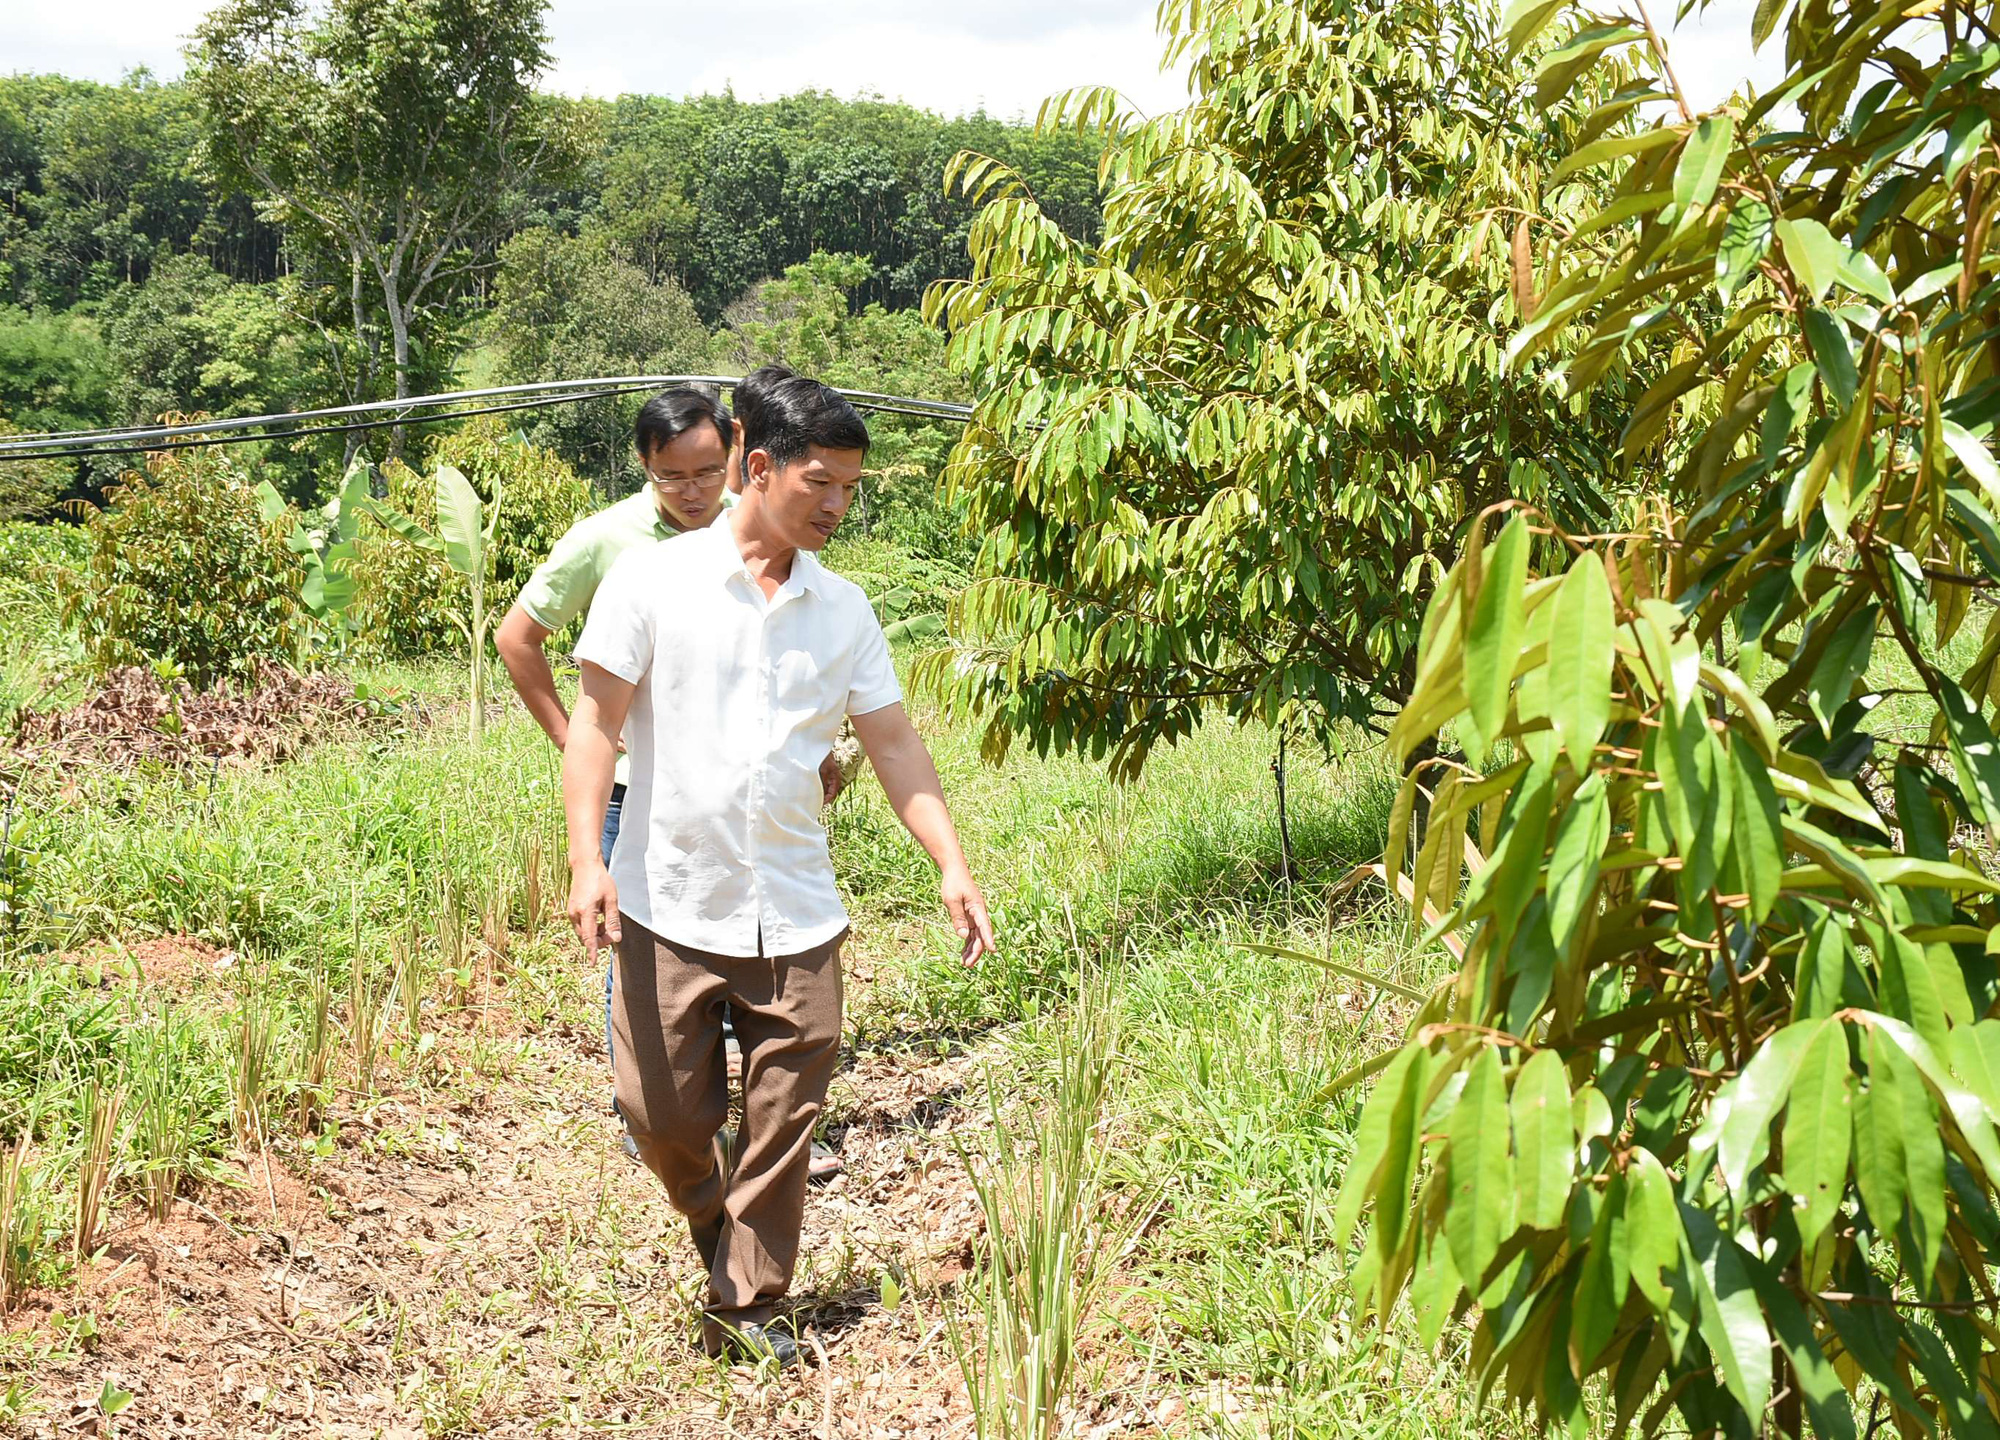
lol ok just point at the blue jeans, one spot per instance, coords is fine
(610, 838)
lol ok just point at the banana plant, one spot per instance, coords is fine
(328, 556)
(464, 539)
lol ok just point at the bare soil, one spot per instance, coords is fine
(477, 1256)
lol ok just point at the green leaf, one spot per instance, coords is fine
(1653, 1227)
(915, 627)
(1746, 239)
(1581, 835)
(1812, 252)
(1480, 1212)
(1822, 969)
(1974, 754)
(1580, 659)
(1493, 641)
(270, 504)
(346, 506)
(1738, 1124)
(1863, 1341)
(1974, 1052)
(1389, 1102)
(459, 522)
(403, 526)
(1524, 19)
(1699, 170)
(1968, 132)
(1908, 988)
(1966, 1109)
(1826, 1398)
(1923, 1161)
(1880, 1171)
(1757, 836)
(1729, 1316)
(1832, 356)
(1859, 272)
(1602, 1283)
(1765, 19)
(1844, 661)
(1973, 454)
(1544, 1140)
(1819, 1129)
(1560, 68)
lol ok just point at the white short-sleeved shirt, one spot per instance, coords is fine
(739, 700)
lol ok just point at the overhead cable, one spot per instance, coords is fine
(410, 410)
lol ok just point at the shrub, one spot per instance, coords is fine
(404, 595)
(184, 567)
(34, 646)
(30, 489)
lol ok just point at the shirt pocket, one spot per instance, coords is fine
(802, 689)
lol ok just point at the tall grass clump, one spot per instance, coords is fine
(102, 1107)
(20, 1220)
(1052, 1236)
(311, 1069)
(180, 1104)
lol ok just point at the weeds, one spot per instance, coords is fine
(19, 1228)
(1051, 1240)
(314, 1067)
(101, 1110)
(251, 1077)
(534, 885)
(168, 1123)
(367, 1017)
(407, 973)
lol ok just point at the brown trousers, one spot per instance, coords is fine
(673, 1090)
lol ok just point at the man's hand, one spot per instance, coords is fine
(593, 908)
(831, 781)
(967, 908)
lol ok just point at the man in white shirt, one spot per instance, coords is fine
(728, 658)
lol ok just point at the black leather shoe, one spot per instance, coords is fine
(753, 1344)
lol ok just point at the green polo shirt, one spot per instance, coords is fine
(562, 586)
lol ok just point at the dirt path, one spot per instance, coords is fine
(477, 1256)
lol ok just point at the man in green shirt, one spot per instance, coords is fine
(684, 439)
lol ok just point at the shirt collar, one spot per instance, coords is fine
(807, 572)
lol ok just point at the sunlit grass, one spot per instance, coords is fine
(323, 876)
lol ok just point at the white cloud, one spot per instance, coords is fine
(949, 58)
(1007, 58)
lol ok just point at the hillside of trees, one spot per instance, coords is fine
(139, 276)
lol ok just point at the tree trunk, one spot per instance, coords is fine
(358, 388)
(399, 329)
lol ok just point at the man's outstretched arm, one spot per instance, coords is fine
(589, 760)
(910, 780)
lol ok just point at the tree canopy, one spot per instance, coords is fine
(1705, 1122)
(1222, 453)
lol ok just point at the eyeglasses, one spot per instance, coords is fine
(684, 484)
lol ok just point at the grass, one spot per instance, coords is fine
(1160, 1166)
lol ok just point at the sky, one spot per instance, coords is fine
(1003, 55)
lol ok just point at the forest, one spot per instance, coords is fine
(696, 236)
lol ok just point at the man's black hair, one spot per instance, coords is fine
(796, 414)
(672, 413)
(748, 396)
